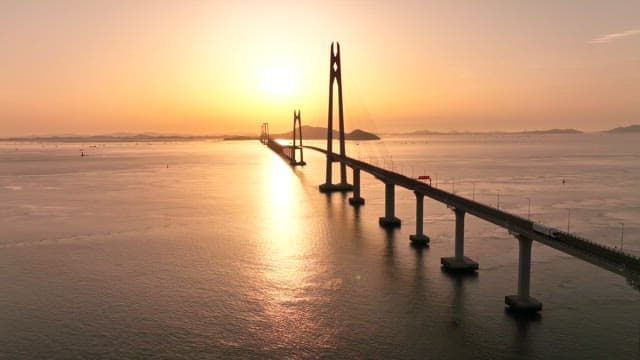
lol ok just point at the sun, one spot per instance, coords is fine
(279, 81)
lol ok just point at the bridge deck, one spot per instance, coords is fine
(605, 257)
(285, 151)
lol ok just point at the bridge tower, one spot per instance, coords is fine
(335, 76)
(297, 132)
(264, 133)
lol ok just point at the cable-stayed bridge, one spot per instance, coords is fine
(524, 230)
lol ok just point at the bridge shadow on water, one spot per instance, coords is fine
(389, 250)
(460, 282)
(522, 341)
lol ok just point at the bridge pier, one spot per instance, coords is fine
(419, 238)
(389, 220)
(328, 187)
(356, 200)
(523, 302)
(459, 263)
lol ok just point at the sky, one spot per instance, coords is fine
(225, 67)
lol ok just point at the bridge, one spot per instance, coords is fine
(287, 152)
(524, 230)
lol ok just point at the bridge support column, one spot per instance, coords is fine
(523, 302)
(389, 220)
(335, 76)
(459, 263)
(419, 238)
(356, 200)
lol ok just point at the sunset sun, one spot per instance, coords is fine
(279, 81)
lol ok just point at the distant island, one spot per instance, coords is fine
(308, 133)
(525, 132)
(618, 130)
(320, 133)
(625, 129)
(550, 131)
(148, 137)
(240, 137)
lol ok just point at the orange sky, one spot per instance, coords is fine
(200, 66)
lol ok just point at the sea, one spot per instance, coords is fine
(221, 250)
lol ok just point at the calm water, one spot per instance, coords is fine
(220, 250)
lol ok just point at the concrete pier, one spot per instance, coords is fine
(523, 302)
(356, 199)
(389, 220)
(459, 263)
(419, 238)
(329, 188)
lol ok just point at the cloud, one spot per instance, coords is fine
(615, 36)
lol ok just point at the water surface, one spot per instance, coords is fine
(221, 250)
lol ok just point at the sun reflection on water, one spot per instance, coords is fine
(291, 284)
(280, 207)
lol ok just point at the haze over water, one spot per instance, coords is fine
(221, 250)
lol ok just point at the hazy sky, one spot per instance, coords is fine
(227, 66)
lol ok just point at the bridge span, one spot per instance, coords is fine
(605, 257)
(524, 230)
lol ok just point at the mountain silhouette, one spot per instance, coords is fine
(320, 133)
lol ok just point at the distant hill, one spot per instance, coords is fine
(551, 131)
(526, 132)
(240, 138)
(625, 129)
(320, 133)
(118, 137)
(308, 133)
(358, 134)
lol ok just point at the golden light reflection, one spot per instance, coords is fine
(289, 286)
(282, 241)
